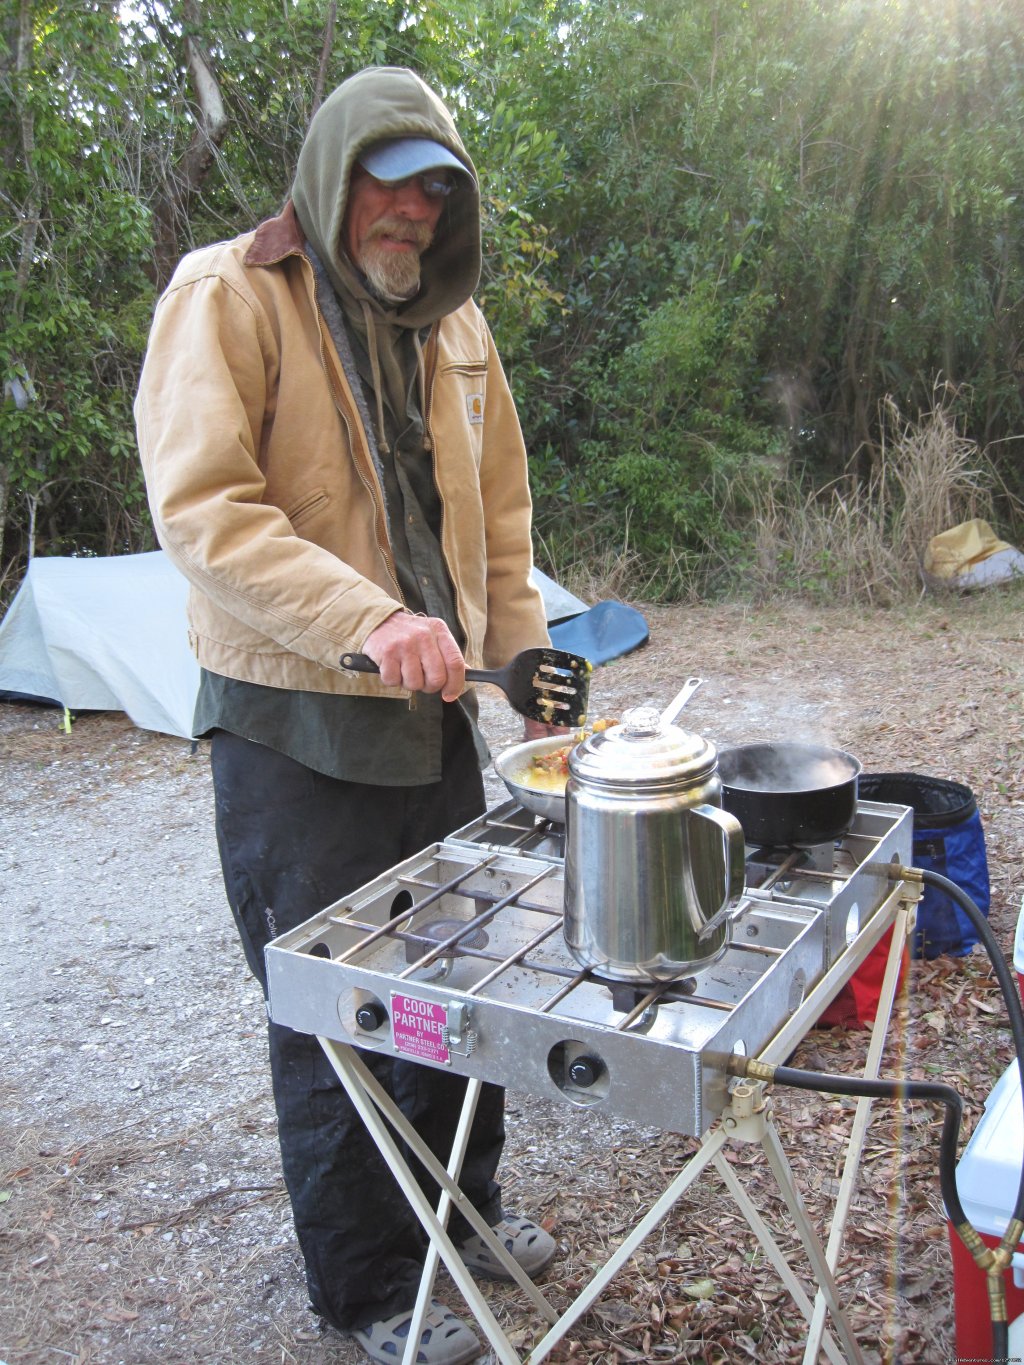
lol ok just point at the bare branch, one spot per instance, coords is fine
(325, 52)
(30, 212)
(185, 180)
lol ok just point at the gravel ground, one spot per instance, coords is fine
(142, 1217)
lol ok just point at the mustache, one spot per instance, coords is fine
(401, 230)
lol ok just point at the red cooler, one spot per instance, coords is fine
(1018, 950)
(987, 1178)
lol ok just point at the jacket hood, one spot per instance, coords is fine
(387, 102)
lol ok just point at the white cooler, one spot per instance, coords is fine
(987, 1178)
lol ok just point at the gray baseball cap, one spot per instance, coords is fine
(397, 157)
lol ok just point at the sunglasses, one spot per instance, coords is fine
(433, 184)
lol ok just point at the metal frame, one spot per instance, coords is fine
(748, 1118)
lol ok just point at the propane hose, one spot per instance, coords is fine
(993, 1261)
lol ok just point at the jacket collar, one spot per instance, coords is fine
(277, 238)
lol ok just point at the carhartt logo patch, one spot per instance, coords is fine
(475, 408)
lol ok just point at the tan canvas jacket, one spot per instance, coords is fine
(262, 486)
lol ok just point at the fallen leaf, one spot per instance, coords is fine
(984, 1006)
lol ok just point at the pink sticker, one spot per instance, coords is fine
(417, 1028)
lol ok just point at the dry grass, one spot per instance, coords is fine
(863, 539)
(942, 478)
(602, 574)
(599, 568)
(860, 539)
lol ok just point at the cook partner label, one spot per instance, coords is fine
(418, 1028)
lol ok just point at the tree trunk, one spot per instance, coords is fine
(29, 218)
(5, 484)
(325, 53)
(182, 184)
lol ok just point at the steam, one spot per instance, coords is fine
(786, 767)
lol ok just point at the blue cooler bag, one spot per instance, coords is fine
(948, 839)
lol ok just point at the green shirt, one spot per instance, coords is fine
(385, 742)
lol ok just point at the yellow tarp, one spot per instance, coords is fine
(950, 554)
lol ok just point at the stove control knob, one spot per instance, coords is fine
(585, 1071)
(371, 1015)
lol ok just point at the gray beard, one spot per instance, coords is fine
(392, 278)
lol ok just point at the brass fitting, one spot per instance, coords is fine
(1013, 1236)
(907, 874)
(982, 1254)
(755, 1070)
(996, 1297)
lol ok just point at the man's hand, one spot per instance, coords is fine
(417, 652)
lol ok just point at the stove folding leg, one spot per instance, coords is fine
(827, 1290)
(775, 1254)
(903, 928)
(595, 1287)
(710, 1153)
(458, 1153)
(379, 1112)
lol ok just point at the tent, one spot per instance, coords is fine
(110, 635)
(103, 635)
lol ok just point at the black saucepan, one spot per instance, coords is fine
(785, 792)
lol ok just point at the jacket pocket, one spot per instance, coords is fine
(308, 506)
(464, 367)
(459, 403)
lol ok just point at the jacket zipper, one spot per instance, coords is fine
(368, 478)
(430, 368)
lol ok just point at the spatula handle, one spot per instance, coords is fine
(362, 663)
(359, 663)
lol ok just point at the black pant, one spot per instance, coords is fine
(291, 843)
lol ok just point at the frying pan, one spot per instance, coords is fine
(513, 767)
(785, 792)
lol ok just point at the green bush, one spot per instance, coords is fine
(671, 434)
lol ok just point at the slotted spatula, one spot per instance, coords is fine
(548, 685)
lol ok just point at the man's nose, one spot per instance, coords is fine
(411, 202)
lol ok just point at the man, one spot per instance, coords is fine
(334, 460)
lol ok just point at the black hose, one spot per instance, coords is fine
(1007, 984)
(992, 1261)
(897, 1090)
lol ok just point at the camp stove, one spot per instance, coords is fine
(456, 958)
